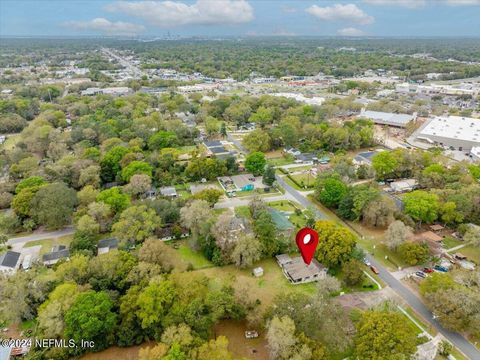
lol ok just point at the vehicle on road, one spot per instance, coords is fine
(366, 262)
(421, 274)
(427, 270)
(374, 269)
(440, 268)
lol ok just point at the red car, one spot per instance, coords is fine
(427, 270)
(374, 269)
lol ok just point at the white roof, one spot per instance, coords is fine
(400, 119)
(475, 151)
(453, 127)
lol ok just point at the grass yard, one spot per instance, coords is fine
(265, 288)
(282, 205)
(307, 180)
(450, 242)
(47, 244)
(299, 221)
(243, 211)
(195, 258)
(292, 184)
(472, 253)
(280, 161)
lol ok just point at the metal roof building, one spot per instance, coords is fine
(390, 119)
(457, 132)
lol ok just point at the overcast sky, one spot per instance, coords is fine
(240, 17)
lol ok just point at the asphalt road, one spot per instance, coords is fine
(40, 236)
(468, 349)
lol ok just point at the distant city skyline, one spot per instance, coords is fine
(401, 18)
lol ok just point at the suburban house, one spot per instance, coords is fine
(58, 252)
(216, 148)
(171, 233)
(244, 182)
(281, 221)
(168, 191)
(9, 261)
(105, 245)
(297, 272)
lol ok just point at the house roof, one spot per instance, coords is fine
(111, 243)
(9, 259)
(297, 269)
(283, 259)
(280, 220)
(431, 236)
(436, 227)
(55, 255)
(387, 118)
(168, 191)
(212, 144)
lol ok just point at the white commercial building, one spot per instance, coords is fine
(390, 119)
(475, 153)
(115, 91)
(459, 133)
(315, 100)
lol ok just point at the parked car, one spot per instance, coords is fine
(427, 270)
(440, 268)
(421, 274)
(374, 269)
(251, 334)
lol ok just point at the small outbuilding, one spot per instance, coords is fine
(258, 271)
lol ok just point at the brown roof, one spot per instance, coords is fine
(436, 227)
(430, 236)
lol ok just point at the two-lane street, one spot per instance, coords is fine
(467, 348)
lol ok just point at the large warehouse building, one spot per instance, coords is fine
(459, 133)
(390, 119)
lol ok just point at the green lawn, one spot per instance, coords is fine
(282, 205)
(280, 161)
(298, 220)
(472, 253)
(449, 242)
(265, 288)
(47, 244)
(195, 258)
(307, 180)
(243, 211)
(292, 184)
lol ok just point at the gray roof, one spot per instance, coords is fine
(210, 144)
(9, 259)
(388, 118)
(298, 270)
(168, 191)
(111, 243)
(218, 150)
(64, 253)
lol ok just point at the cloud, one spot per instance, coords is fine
(106, 27)
(172, 13)
(462, 2)
(339, 12)
(350, 31)
(411, 4)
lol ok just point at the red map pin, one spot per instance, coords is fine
(307, 241)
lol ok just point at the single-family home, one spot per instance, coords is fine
(57, 253)
(9, 261)
(297, 272)
(105, 245)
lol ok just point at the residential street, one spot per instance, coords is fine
(459, 341)
(40, 236)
